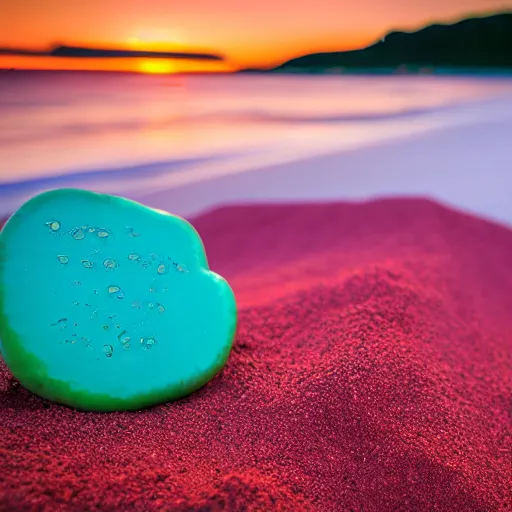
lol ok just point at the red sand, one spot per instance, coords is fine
(372, 371)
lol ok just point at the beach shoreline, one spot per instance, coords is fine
(460, 158)
(378, 140)
(467, 169)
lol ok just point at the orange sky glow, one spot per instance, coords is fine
(248, 33)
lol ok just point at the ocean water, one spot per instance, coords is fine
(119, 132)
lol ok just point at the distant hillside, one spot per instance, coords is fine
(471, 43)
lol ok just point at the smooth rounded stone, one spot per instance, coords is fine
(108, 305)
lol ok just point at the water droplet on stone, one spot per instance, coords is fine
(87, 263)
(181, 268)
(78, 234)
(151, 305)
(105, 327)
(110, 263)
(161, 309)
(91, 230)
(148, 342)
(115, 290)
(64, 260)
(136, 304)
(124, 339)
(108, 350)
(76, 303)
(103, 233)
(96, 292)
(54, 225)
(134, 257)
(162, 269)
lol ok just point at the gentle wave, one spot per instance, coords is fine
(99, 175)
(118, 133)
(247, 117)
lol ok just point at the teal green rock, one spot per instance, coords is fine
(108, 305)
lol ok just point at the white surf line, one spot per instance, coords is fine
(298, 148)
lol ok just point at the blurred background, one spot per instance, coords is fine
(185, 106)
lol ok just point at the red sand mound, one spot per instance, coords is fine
(372, 371)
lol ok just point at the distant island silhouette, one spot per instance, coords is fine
(107, 53)
(472, 43)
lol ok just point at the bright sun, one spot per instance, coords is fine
(157, 66)
(153, 39)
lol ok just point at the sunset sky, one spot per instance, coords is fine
(248, 33)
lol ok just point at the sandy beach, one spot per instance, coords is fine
(371, 370)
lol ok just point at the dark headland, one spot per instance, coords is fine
(478, 43)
